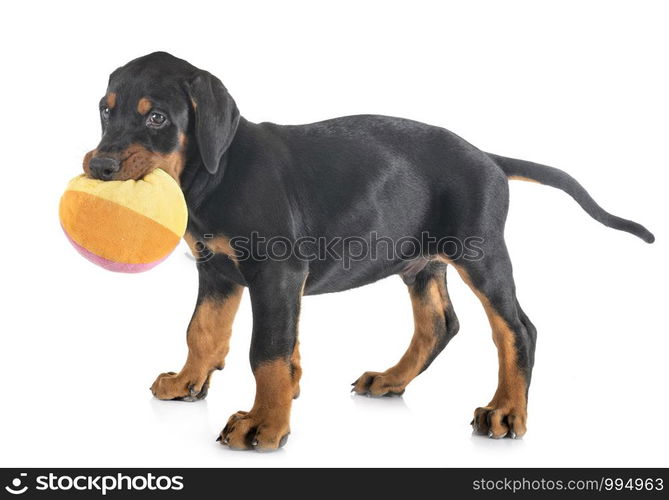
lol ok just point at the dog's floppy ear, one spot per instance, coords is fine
(216, 117)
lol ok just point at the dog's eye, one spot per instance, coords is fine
(156, 120)
(104, 112)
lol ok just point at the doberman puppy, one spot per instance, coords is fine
(288, 211)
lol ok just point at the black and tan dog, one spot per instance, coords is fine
(352, 179)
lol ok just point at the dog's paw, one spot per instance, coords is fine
(498, 421)
(250, 431)
(378, 384)
(176, 387)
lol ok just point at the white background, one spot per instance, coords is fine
(578, 85)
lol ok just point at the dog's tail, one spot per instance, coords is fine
(534, 172)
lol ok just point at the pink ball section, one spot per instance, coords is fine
(118, 267)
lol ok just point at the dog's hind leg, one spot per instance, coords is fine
(514, 335)
(435, 324)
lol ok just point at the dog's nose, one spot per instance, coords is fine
(103, 168)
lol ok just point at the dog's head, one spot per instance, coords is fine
(161, 112)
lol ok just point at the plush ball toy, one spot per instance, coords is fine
(124, 226)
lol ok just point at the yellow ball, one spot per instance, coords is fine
(125, 226)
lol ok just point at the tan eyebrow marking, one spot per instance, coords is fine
(111, 100)
(144, 106)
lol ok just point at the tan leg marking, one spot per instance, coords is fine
(428, 313)
(208, 343)
(296, 369)
(295, 365)
(507, 411)
(267, 425)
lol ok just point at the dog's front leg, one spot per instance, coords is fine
(275, 298)
(208, 338)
